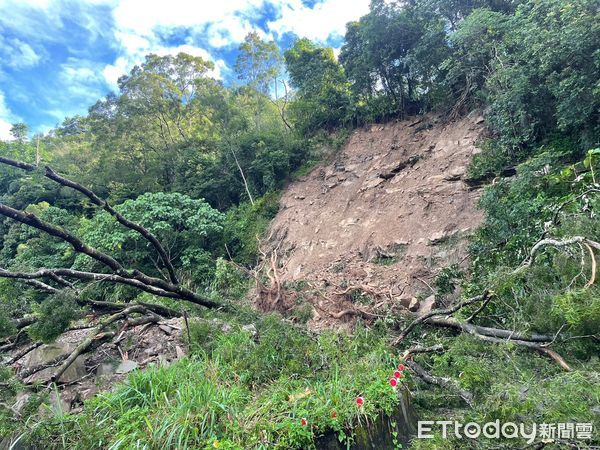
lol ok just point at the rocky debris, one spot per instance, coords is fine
(402, 182)
(21, 402)
(391, 171)
(414, 304)
(441, 236)
(106, 368)
(126, 366)
(455, 174)
(250, 329)
(427, 305)
(48, 353)
(133, 348)
(58, 403)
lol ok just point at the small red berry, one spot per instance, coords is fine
(401, 367)
(333, 414)
(393, 382)
(303, 422)
(360, 401)
(397, 374)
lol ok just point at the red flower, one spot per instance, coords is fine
(333, 414)
(360, 401)
(393, 382)
(303, 422)
(397, 374)
(401, 367)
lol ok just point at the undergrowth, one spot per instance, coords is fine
(246, 387)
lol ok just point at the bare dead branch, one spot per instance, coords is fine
(440, 312)
(17, 164)
(593, 258)
(24, 321)
(446, 383)
(487, 331)
(502, 337)
(159, 286)
(481, 308)
(558, 244)
(87, 342)
(420, 349)
(88, 276)
(49, 173)
(22, 353)
(40, 286)
(33, 221)
(122, 220)
(176, 292)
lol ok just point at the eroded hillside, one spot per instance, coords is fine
(370, 230)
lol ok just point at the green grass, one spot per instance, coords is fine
(238, 391)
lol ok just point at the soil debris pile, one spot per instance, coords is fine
(370, 230)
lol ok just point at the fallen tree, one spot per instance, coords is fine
(441, 318)
(55, 280)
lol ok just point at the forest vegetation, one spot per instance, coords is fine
(155, 202)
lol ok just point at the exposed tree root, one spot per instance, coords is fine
(352, 312)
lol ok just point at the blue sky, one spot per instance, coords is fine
(57, 57)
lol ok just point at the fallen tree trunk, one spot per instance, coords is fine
(440, 312)
(487, 331)
(500, 336)
(87, 342)
(440, 381)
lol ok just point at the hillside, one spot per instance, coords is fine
(382, 218)
(265, 241)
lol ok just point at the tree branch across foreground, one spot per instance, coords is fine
(96, 337)
(447, 383)
(52, 175)
(170, 288)
(537, 342)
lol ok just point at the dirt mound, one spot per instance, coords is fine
(370, 230)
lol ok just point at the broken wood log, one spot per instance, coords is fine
(447, 383)
(87, 342)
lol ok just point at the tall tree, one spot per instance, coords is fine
(323, 95)
(377, 56)
(259, 65)
(156, 119)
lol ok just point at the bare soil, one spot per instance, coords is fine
(367, 233)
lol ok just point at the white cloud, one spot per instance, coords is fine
(138, 49)
(7, 118)
(82, 79)
(144, 16)
(140, 25)
(135, 28)
(5, 131)
(16, 54)
(323, 21)
(23, 18)
(112, 72)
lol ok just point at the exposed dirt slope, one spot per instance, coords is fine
(370, 230)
